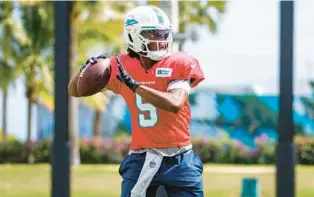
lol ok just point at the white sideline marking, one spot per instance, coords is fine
(220, 169)
(239, 170)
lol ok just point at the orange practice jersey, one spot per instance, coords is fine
(153, 127)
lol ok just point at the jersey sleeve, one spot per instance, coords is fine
(188, 68)
(114, 84)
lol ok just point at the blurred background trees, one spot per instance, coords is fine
(7, 67)
(26, 53)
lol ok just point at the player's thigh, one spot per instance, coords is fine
(184, 170)
(188, 181)
(132, 165)
(130, 170)
(127, 186)
(191, 191)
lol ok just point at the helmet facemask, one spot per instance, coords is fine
(152, 43)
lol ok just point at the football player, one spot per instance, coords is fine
(156, 84)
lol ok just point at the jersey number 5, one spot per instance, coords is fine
(151, 110)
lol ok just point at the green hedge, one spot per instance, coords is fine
(114, 150)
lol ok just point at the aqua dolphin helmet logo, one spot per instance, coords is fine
(130, 21)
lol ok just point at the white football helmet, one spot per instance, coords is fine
(149, 18)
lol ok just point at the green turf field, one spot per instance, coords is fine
(104, 181)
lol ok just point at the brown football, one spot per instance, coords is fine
(94, 77)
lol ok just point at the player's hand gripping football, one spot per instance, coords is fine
(91, 61)
(125, 77)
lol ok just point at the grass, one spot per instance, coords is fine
(104, 180)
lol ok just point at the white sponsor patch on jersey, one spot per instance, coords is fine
(163, 72)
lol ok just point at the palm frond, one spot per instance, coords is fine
(198, 12)
(97, 101)
(47, 99)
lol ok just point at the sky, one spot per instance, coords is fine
(244, 52)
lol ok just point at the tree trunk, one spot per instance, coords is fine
(30, 155)
(4, 115)
(97, 124)
(74, 131)
(73, 103)
(181, 45)
(29, 120)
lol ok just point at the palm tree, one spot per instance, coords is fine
(9, 61)
(101, 30)
(5, 79)
(97, 103)
(106, 31)
(80, 11)
(200, 12)
(37, 53)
